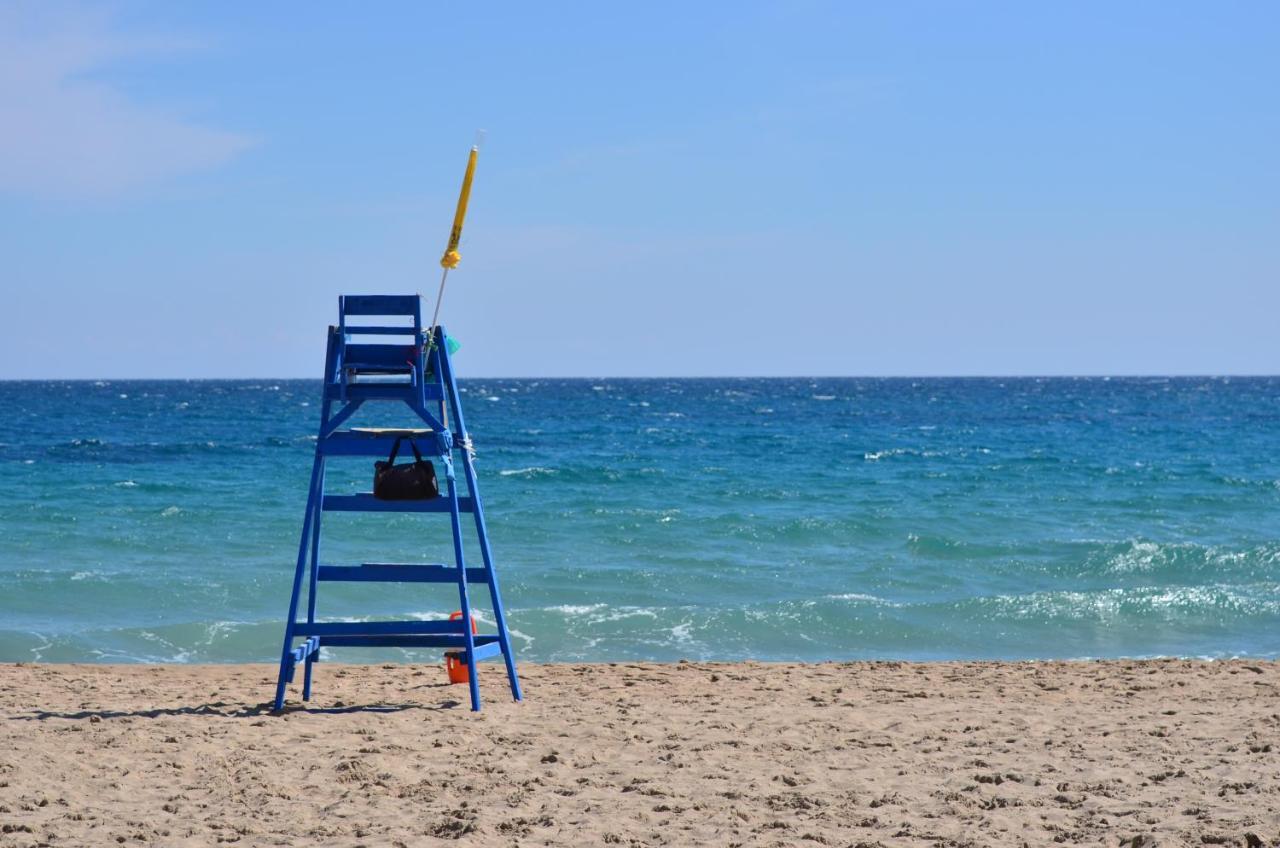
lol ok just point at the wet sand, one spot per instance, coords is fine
(843, 754)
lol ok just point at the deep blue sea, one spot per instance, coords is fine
(664, 519)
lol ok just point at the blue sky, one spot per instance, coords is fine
(683, 189)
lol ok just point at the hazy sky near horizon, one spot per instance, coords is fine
(798, 188)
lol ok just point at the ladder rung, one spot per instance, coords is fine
(366, 502)
(386, 572)
(300, 653)
(482, 643)
(388, 432)
(375, 367)
(306, 649)
(383, 391)
(488, 649)
(357, 443)
(381, 331)
(376, 628)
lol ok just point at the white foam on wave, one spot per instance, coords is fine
(417, 615)
(215, 630)
(519, 635)
(1111, 604)
(531, 471)
(859, 596)
(1144, 556)
(681, 633)
(37, 652)
(593, 613)
(575, 609)
(628, 612)
(875, 456)
(126, 484)
(1140, 557)
(179, 655)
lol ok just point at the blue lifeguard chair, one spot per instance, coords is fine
(413, 369)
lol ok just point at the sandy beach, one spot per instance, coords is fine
(1095, 753)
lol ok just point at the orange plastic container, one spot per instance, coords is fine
(454, 665)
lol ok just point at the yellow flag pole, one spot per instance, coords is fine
(451, 256)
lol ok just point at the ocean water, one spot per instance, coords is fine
(664, 519)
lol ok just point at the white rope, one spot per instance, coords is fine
(431, 340)
(435, 316)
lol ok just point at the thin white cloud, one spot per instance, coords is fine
(63, 133)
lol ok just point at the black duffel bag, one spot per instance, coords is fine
(411, 482)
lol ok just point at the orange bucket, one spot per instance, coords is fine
(454, 665)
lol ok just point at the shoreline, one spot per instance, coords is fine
(839, 753)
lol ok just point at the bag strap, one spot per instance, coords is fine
(391, 460)
(417, 455)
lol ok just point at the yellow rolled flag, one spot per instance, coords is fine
(451, 255)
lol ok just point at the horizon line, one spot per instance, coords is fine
(1132, 376)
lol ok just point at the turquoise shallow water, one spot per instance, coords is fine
(661, 519)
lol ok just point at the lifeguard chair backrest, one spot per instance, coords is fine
(395, 320)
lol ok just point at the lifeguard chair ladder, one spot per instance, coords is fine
(418, 373)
